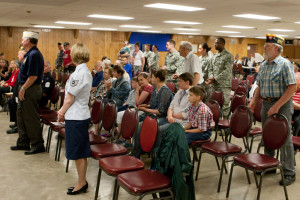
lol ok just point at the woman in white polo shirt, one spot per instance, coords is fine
(75, 112)
(137, 59)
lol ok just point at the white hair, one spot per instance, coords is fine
(187, 45)
(49, 65)
(106, 61)
(280, 48)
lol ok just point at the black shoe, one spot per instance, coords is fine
(13, 125)
(13, 130)
(268, 172)
(19, 147)
(288, 179)
(35, 150)
(81, 190)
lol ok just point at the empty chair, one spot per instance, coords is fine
(234, 83)
(171, 86)
(250, 79)
(256, 131)
(218, 96)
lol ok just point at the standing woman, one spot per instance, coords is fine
(204, 60)
(137, 59)
(75, 112)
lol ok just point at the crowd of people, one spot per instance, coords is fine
(137, 79)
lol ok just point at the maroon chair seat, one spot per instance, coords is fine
(221, 148)
(96, 139)
(120, 164)
(256, 161)
(255, 131)
(139, 182)
(108, 149)
(296, 141)
(224, 123)
(61, 132)
(47, 119)
(56, 126)
(199, 142)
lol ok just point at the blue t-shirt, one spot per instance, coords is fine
(128, 69)
(33, 65)
(97, 79)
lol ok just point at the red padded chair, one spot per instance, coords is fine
(275, 133)
(240, 126)
(171, 86)
(53, 74)
(218, 96)
(234, 83)
(296, 142)
(59, 77)
(116, 165)
(241, 88)
(257, 131)
(145, 182)
(250, 78)
(246, 82)
(235, 69)
(240, 68)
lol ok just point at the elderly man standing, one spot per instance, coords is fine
(276, 85)
(173, 61)
(48, 84)
(191, 62)
(59, 58)
(220, 72)
(30, 92)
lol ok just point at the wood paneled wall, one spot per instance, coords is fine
(105, 43)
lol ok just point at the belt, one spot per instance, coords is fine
(270, 99)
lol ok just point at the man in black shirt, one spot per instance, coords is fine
(47, 85)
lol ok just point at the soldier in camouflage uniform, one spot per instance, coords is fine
(153, 63)
(220, 72)
(173, 61)
(59, 59)
(147, 55)
(204, 60)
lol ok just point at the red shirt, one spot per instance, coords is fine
(149, 89)
(13, 78)
(296, 97)
(67, 57)
(201, 117)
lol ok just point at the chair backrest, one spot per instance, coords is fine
(65, 78)
(275, 131)
(234, 83)
(62, 98)
(110, 113)
(241, 88)
(246, 82)
(129, 122)
(55, 94)
(234, 67)
(239, 99)
(250, 78)
(257, 110)
(241, 122)
(240, 67)
(215, 109)
(97, 110)
(149, 133)
(59, 77)
(218, 96)
(53, 74)
(171, 86)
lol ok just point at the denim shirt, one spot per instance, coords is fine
(119, 91)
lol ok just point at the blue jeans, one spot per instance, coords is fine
(191, 137)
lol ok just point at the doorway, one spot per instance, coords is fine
(251, 49)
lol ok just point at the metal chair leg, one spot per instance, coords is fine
(48, 138)
(57, 146)
(260, 184)
(221, 173)
(251, 144)
(255, 178)
(248, 177)
(217, 161)
(59, 149)
(117, 191)
(67, 167)
(284, 186)
(198, 166)
(98, 183)
(229, 181)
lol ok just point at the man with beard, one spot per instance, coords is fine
(276, 85)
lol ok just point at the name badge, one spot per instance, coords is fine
(47, 84)
(17, 99)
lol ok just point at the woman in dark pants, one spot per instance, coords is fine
(75, 112)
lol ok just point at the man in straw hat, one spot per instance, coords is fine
(30, 93)
(276, 85)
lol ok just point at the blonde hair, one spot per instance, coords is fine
(80, 53)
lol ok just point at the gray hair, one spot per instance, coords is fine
(280, 48)
(49, 65)
(187, 45)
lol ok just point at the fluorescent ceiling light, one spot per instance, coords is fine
(104, 29)
(228, 32)
(134, 26)
(186, 29)
(73, 23)
(297, 22)
(149, 31)
(239, 27)
(297, 37)
(237, 36)
(188, 33)
(42, 26)
(260, 37)
(281, 30)
(110, 17)
(254, 16)
(182, 22)
(173, 7)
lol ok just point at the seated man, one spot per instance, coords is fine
(98, 77)
(47, 85)
(200, 117)
(178, 110)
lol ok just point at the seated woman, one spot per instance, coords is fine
(7, 86)
(101, 88)
(3, 70)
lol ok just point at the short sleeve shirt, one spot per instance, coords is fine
(149, 89)
(79, 85)
(67, 57)
(201, 117)
(192, 65)
(137, 56)
(33, 65)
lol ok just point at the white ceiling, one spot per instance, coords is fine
(217, 14)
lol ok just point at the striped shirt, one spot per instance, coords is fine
(296, 97)
(201, 117)
(274, 78)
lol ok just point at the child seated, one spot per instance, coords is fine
(200, 117)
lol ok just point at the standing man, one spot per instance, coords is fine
(191, 62)
(59, 59)
(68, 64)
(127, 67)
(30, 92)
(173, 61)
(147, 55)
(220, 72)
(154, 59)
(276, 85)
(48, 84)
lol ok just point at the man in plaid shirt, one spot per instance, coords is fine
(200, 117)
(276, 85)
